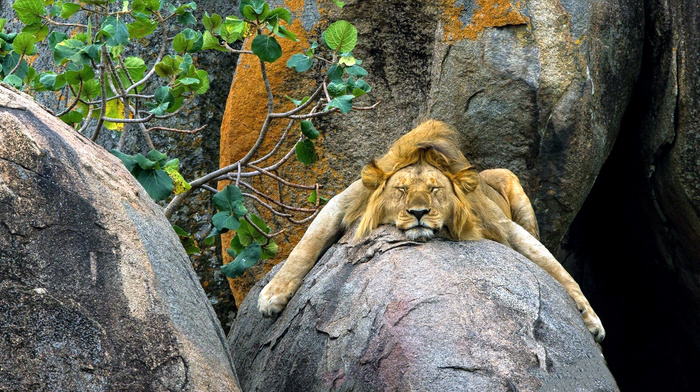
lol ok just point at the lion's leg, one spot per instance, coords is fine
(508, 186)
(321, 234)
(524, 243)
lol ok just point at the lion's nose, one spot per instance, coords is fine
(418, 213)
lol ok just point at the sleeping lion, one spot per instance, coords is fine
(425, 187)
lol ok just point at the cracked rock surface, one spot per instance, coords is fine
(395, 315)
(96, 291)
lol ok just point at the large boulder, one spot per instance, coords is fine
(198, 153)
(96, 291)
(395, 315)
(536, 86)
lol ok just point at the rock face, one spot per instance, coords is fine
(198, 154)
(394, 315)
(537, 86)
(636, 240)
(96, 292)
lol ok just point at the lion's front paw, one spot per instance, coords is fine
(593, 323)
(272, 300)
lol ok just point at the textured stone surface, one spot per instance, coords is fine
(634, 245)
(198, 154)
(538, 87)
(393, 315)
(96, 292)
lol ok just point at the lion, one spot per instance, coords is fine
(426, 187)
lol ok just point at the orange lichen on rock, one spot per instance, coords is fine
(487, 13)
(245, 112)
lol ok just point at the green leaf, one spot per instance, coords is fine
(187, 41)
(136, 67)
(146, 6)
(180, 231)
(91, 89)
(128, 160)
(343, 102)
(269, 251)
(248, 234)
(2, 23)
(211, 23)
(348, 61)
(75, 77)
(307, 128)
(300, 62)
(335, 73)
(261, 225)
(66, 49)
(211, 42)
(160, 158)
(339, 3)
(236, 245)
(51, 81)
(87, 54)
(115, 31)
(141, 26)
(224, 221)
(209, 240)
(341, 36)
(170, 65)
(282, 31)
(69, 9)
(72, 117)
(356, 70)
(157, 183)
(38, 30)
(55, 37)
(145, 163)
(228, 198)
(297, 102)
(29, 11)
(306, 152)
(245, 259)
(203, 82)
(361, 88)
(337, 88)
(24, 44)
(187, 18)
(233, 29)
(312, 198)
(266, 48)
(280, 13)
(14, 81)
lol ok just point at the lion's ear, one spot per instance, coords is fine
(467, 179)
(373, 176)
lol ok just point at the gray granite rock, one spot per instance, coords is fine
(96, 291)
(393, 315)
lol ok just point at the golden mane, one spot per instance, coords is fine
(433, 143)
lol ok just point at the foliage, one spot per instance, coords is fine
(103, 84)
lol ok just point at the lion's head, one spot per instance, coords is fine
(422, 186)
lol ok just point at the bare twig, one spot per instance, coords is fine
(269, 207)
(19, 62)
(268, 198)
(75, 102)
(176, 130)
(277, 146)
(103, 108)
(282, 180)
(301, 107)
(129, 120)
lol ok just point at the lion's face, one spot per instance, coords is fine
(418, 199)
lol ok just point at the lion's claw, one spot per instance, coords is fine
(594, 325)
(271, 304)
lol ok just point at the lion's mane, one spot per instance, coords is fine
(437, 144)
